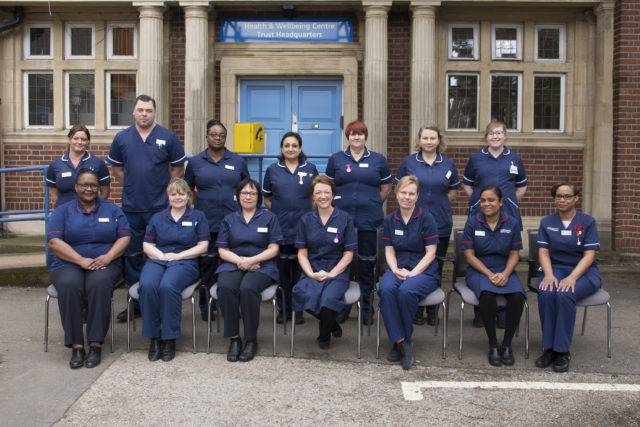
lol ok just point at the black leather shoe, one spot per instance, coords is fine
(154, 349)
(122, 316)
(249, 351)
(501, 322)
(418, 318)
(168, 351)
(561, 364)
(394, 355)
(342, 318)
(203, 316)
(299, 319)
(432, 319)
(506, 355)
(407, 354)
(280, 318)
(77, 358)
(234, 349)
(546, 359)
(337, 332)
(494, 357)
(323, 344)
(93, 359)
(478, 322)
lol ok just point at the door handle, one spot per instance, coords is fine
(294, 122)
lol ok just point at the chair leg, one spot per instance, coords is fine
(526, 331)
(284, 304)
(209, 325)
(359, 326)
(46, 323)
(608, 330)
(193, 322)
(444, 329)
(378, 334)
(460, 332)
(293, 330)
(274, 303)
(113, 322)
(369, 315)
(217, 313)
(128, 323)
(584, 321)
(435, 333)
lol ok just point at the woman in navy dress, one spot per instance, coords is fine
(286, 193)
(439, 183)
(363, 182)
(410, 239)
(248, 243)
(326, 241)
(567, 242)
(87, 238)
(491, 242)
(174, 239)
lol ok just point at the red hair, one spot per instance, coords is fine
(356, 127)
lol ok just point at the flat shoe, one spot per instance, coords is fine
(418, 319)
(154, 349)
(407, 354)
(168, 350)
(547, 358)
(234, 349)
(394, 355)
(561, 364)
(432, 319)
(122, 316)
(77, 358)
(299, 319)
(93, 359)
(494, 357)
(249, 351)
(337, 332)
(323, 344)
(506, 355)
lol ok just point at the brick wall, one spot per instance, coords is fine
(176, 72)
(626, 127)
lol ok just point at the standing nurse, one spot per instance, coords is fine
(215, 174)
(363, 182)
(144, 157)
(286, 189)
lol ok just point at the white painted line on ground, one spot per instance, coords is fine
(413, 390)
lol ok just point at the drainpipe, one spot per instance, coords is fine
(17, 13)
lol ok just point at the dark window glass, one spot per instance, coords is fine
(82, 99)
(504, 100)
(462, 43)
(40, 99)
(547, 102)
(40, 41)
(462, 102)
(122, 97)
(549, 43)
(81, 41)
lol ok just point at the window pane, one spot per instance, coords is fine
(547, 102)
(81, 41)
(122, 97)
(462, 43)
(504, 100)
(462, 102)
(81, 99)
(40, 41)
(506, 43)
(40, 99)
(123, 41)
(549, 43)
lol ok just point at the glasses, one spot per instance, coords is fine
(564, 196)
(249, 193)
(217, 135)
(88, 186)
(496, 133)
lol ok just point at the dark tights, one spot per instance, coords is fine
(327, 323)
(488, 308)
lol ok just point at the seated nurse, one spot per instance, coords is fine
(410, 238)
(174, 239)
(567, 245)
(491, 242)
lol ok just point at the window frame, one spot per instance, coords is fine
(562, 43)
(68, 41)
(25, 99)
(27, 40)
(128, 24)
(563, 91)
(67, 99)
(446, 100)
(108, 124)
(476, 40)
(519, 32)
(520, 79)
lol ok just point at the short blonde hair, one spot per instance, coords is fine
(493, 125)
(179, 185)
(407, 180)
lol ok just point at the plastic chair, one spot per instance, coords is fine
(187, 293)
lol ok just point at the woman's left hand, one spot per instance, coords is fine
(566, 284)
(100, 262)
(245, 264)
(499, 279)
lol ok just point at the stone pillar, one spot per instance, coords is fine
(195, 74)
(150, 75)
(376, 74)
(423, 67)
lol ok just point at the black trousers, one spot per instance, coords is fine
(74, 285)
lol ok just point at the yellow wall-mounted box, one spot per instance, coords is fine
(248, 138)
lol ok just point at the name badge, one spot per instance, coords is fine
(565, 232)
(399, 232)
(332, 230)
(161, 143)
(263, 229)
(187, 224)
(103, 219)
(65, 174)
(448, 175)
(513, 169)
(505, 231)
(230, 167)
(363, 165)
(301, 174)
(479, 233)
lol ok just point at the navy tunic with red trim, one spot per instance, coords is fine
(492, 247)
(61, 175)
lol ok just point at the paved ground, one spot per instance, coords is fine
(332, 387)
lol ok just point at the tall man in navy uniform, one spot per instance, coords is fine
(144, 158)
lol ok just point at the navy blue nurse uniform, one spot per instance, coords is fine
(566, 247)
(161, 282)
(238, 288)
(90, 234)
(492, 247)
(325, 244)
(506, 172)
(61, 175)
(290, 199)
(399, 298)
(358, 194)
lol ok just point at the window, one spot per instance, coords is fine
(38, 41)
(506, 41)
(80, 99)
(462, 101)
(548, 102)
(506, 99)
(550, 42)
(122, 41)
(463, 41)
(121, 94)
(38, 100)
(79, 41)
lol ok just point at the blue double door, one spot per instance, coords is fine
(313, 108)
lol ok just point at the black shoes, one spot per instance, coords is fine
(418, 319)
(547, 358)
(203, 316)
(299, 318)
(561, 364)
(406, 348)
(432, 318)
(167, 350)
(154, 349)
(477, 321)
(323, 344)
(337, 331)
(506, 355)
(249, 351)
(494, 357)
(93, 359)
(233, 354)
(122, 316)
(394, 355)
(77, 358)
(342, 318)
